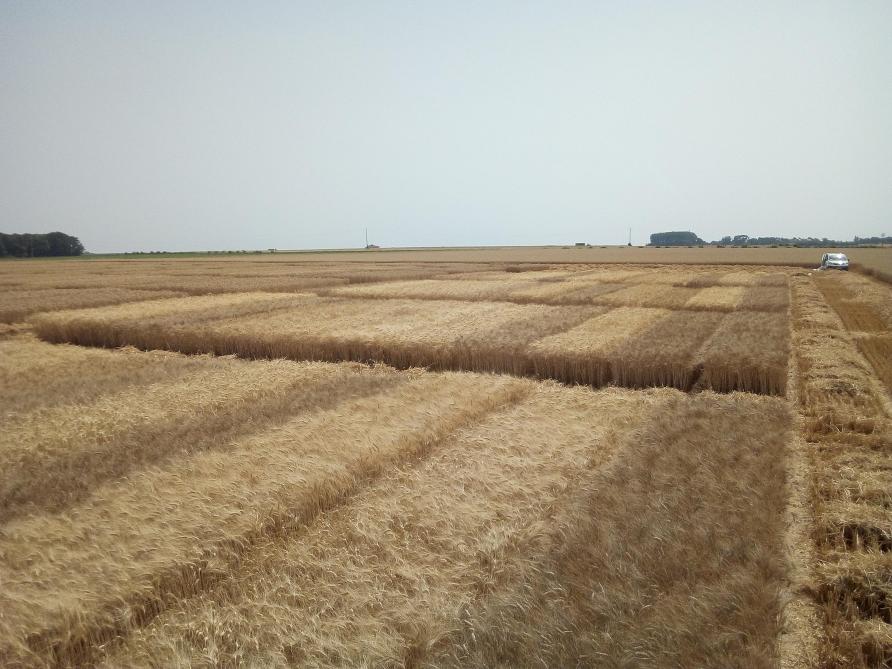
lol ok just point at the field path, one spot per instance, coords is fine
(846, 425)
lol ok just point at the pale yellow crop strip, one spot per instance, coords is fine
(147, 325)
(391, 321)
(24, 358)
(716, 298)
(587, 292)
(613, 275)
(117, 433)
(16, 305)
(749, 278)
(665, 276)
(165, 532)
(578, 291)
(228, 284)
(185, 306)
(765, 298)
(381, 578)
(544, 291)
(439, 289)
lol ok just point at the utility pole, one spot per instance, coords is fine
(366, 237)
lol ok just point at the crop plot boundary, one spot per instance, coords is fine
(684, 371)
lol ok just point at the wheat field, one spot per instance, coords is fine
(444, 462)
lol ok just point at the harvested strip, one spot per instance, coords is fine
(52, 457)
(852, 438)
(639, 571)
(854, 526)
(170, 532)
(583, 354)
(856, 591)
(383, 580)
(16, 305)
(664, 354)
(837, 389)
(748, 351)
(717, 298)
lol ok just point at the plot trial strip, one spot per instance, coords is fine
(629, 346)
(552, 530)
(53, 456)
(581, 289)
(77, 578)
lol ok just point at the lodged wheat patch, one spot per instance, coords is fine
(384, 578)
(172, 529)
(18, 304)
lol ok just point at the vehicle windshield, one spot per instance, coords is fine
(836, 256)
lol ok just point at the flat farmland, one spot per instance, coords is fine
(438, 463)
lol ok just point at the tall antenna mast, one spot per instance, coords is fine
(366, 237)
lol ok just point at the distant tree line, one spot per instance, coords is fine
(29, 245)
(745, 240)
(690, 239)
(675, 239)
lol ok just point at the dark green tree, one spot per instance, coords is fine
(675, 239)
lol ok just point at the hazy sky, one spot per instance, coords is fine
(192, 125)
